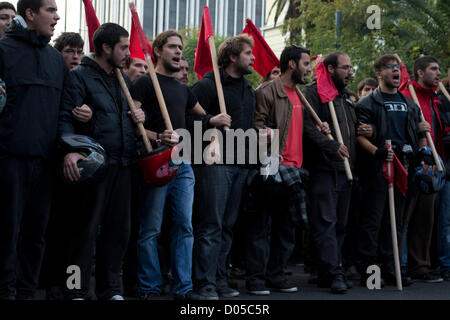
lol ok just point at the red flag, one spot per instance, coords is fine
(401, 175)
(143, 40)
(91, 21)
(135, 45)
(265, 59)
(325, 86)
(404, 77)
(203, 60)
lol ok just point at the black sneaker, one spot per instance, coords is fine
(206, 293)
(258, 290)
(390, 280)
(283, 287)
(338, 284)
(227, 292)
(428, 278)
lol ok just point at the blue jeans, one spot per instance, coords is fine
(443, 205)
(180, 196)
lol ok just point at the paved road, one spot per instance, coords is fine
(417, 291)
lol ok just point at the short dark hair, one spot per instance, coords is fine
(162, 38)
(70, 39)
(34, 5)
(233, 47)
(422, 64)
(110, 34)
(380, 63)
(332, 59)
(291, 53)
(367, 82)
(7, 5)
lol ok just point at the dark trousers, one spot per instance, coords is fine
(375, 237)
(330, 194)
(419, 219)
(270, 235)
(107, 204)
(218, 192)
(350, 247)
(54, 265)
(25, 199)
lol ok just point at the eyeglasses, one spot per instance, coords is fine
(392, 66)
(347, 68)
(72, 52)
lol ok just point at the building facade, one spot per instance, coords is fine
(227, 16)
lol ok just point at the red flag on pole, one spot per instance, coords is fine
(401, 175)
(325, 86)
(404, 77)
(143, 40)
(265, 59)
(135, 45)
(92, 22)
(203, 60)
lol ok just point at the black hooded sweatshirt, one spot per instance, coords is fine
(34, 74)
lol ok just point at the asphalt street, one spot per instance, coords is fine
(417, 291)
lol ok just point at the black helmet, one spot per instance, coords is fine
(91, 170)
(431, 182)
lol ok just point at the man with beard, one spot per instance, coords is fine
(106, 202)
(219, 187)
(330, 189)
(28, 127)
(278, 106)
(178, 195)
(394, 117)
(419, 215)
(183, 74)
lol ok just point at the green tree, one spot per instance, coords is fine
(290, 17)
(408, 27)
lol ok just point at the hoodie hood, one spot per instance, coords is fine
(18, 30)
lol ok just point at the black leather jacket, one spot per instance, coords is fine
(111, 126)
(371, 110)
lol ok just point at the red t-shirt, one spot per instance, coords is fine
(293, 153)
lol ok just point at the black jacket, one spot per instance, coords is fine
(34, 74)
(240, 101)
(317, 155)
(110, 125)
(371, 110)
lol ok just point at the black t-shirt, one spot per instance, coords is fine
(397, 118)
(178, 97)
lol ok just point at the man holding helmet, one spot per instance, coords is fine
(106, 202)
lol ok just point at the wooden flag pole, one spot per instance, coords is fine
(162, 104)
(398, 276)
(212, 47)
(427, 134)
(133, 107)
(422, 119)
(337, 129)
(311, 111)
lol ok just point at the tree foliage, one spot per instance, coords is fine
(408, 27)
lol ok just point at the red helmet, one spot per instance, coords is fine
(155, 167)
